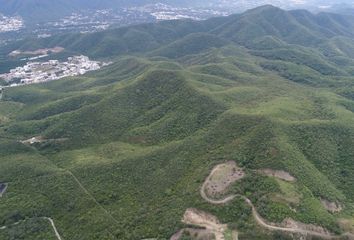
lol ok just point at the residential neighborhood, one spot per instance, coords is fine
(37, 72)
(9, 24)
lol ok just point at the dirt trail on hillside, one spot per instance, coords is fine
(263, 223)
(222, 182)
(54, 228)
(4, 188)
(92, 197)
(50, 220)
(292, 226)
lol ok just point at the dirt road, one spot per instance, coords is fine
(260, 220)
(54, 228)
(203, 190)
(4, 188)
(50, 220)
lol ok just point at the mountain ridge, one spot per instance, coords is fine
(124, 152)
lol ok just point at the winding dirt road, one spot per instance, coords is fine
(261, 221)
(204, 186)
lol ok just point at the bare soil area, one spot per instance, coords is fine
(333, 207)
(41, 51)
(280, 174)
(205, 220)
(221, 177)
(196, 217)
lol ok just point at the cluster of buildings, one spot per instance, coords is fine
(162, 11)
(9, 24)
(37, 72)
(87, 21)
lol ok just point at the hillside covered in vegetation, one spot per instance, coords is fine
(123, 152)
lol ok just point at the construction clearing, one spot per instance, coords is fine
(209, 223)
(221, 177)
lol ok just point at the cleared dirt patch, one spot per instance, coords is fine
(221, 177)
(205, 220)
(333, 207)
(33, 140)
(40, 139)
(195, 217)
(280, 174)
(41, 51)
(347, 225)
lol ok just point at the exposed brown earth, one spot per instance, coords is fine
(41, 51)
(333, 207)
(218, 181)
(280, 174)
(205, 220)
(288, 225)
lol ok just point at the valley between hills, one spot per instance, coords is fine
(237, 127)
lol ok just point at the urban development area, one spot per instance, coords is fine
(37, 72)
(9, 24)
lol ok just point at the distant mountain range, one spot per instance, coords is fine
(42, 10)
(250, 28)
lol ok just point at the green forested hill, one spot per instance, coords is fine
(124, 151)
